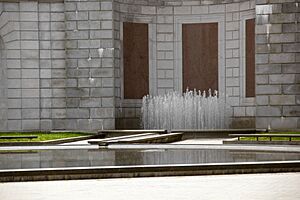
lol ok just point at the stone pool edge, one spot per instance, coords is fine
(51, 142)
(48, 174)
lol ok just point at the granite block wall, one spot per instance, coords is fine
(62, 61)
(3, 87)
(33, 37)
(165, 19)
(52, 65)
(89, 65)
(18, 21)
(53, 74)
(277, 64)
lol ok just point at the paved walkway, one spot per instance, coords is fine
(202, 141)
(283, 186)
(279, 148)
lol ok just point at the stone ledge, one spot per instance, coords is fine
(147, 171)
(231, 141)
(52, 142)
(213, 133)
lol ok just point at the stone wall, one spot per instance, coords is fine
(128, 111)
(3, 86)
(90, 76)
(55, 76)
(33, 35)
(165, 19)
(52, 65)
(277, 64)
(62, 67)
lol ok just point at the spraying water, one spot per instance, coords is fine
(190, 110)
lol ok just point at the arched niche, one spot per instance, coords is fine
(3, 87)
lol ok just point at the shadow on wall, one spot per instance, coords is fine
(3, 87)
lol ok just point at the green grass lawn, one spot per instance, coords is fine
(42, 136)
(273, 138)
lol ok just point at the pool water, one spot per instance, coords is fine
(57, 158)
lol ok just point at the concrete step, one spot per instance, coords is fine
(116, 133)
(96, 141)
(150, 138)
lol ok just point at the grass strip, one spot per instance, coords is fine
(273, 138)
(42, 136)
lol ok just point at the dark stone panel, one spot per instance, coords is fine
(136, 60)
(243, 123)
(200, 56)
(128, 124)
(250, 58)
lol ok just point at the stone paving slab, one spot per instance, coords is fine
(280, 148)
(202, 141)
(72, 173)
(226, 187)
(283, 148)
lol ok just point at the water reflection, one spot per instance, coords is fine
(98, 157)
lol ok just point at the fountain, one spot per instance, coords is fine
(190, 110)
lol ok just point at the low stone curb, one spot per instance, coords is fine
(261, 142)
(187, 133)
(219, 130)
(213, 133)
(51, 142)
(147, 171)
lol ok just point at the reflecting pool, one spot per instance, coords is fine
(56, 158)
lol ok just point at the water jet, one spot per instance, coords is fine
(190, 110)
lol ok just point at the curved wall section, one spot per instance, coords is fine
(165, 19)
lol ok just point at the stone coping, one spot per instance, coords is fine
(213, 133)
(53, 131)
(187, 133)
(249, 147)
(147, 171)
(119, 138)
(261, 142)
(118, 133)
(218, 130)
(142, 138)
(50, 142)
(283, 130)
(134, 131)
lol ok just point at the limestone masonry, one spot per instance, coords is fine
(62, 62)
